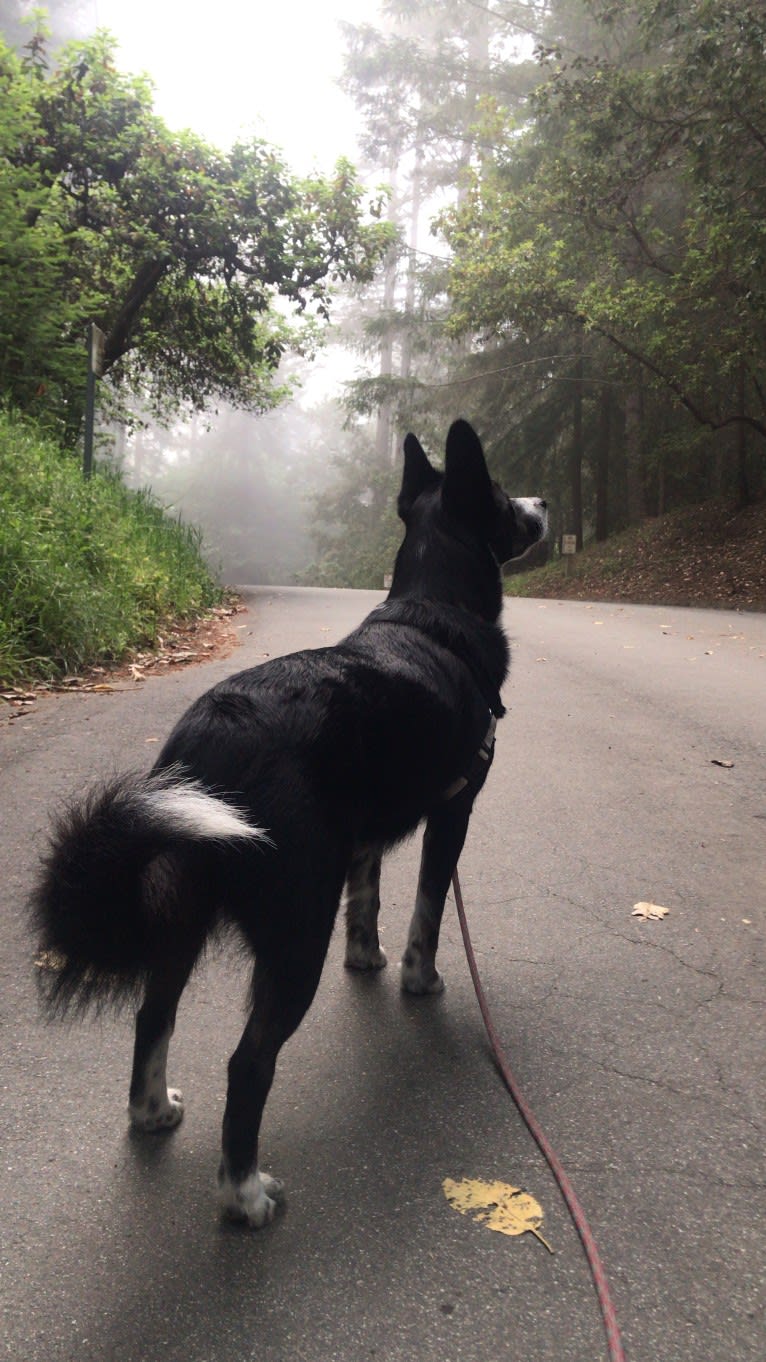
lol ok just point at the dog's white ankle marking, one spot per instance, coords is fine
(363, 950)
(254, 1200)
(416, 980)
(419, 974)
(360, 956)
(159, 1107)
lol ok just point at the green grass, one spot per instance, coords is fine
(88, 571)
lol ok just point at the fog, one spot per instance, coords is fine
(248, 482)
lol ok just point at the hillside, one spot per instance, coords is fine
(89, 571)
(708, 555)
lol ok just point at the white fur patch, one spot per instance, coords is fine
(419, 974)
(160, 1107)
(186, 809)
(253, 1200)
(533, 506)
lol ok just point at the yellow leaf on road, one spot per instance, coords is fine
(509, 1210)
(649, 910)
(52, 960)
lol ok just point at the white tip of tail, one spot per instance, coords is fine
(189, 811)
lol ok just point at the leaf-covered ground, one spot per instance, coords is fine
(708, 555)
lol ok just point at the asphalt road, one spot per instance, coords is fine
(639, 1044)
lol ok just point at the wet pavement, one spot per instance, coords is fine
(639, 1044)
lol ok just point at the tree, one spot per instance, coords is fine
(188, 258)
(632, 207)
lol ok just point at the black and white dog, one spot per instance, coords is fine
(281, 784)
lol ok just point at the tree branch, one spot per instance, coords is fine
(144, 284)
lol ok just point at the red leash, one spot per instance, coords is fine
(614, 1341)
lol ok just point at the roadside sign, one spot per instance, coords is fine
(96, 348)
(569, 543)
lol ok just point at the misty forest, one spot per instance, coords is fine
(555, 226)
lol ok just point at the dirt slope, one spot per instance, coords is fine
(708, 555)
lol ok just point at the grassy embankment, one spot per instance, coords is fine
(708, 555)
(88, 571)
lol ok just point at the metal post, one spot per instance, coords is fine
(95, 345)
(90, 408)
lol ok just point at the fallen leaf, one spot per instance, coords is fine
(652, 911)
(509, 1210)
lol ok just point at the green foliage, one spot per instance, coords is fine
(87, 570)
(633, 203)
(180, 252)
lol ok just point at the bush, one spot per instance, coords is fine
(88, 571)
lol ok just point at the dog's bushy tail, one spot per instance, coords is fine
(105, 902)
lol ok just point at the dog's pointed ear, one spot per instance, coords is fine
(467, 485)
(417, 477)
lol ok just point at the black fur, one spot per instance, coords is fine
(337, 753)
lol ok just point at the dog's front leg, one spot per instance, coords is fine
(442, 845)
(363, 949)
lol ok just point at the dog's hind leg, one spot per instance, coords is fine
(442, 844)
(280, 1001)
(153, 1106)
(363, 950)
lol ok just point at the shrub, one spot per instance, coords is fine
(88, 570)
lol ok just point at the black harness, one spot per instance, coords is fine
(480, 762)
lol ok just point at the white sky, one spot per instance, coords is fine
(229, 66)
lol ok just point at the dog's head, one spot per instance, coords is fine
(467, 496)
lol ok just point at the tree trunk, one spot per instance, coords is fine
(634, 456)
(477, 60)
(576, 454)
(602, 466)
(409, 297)
(146, 280)
(385, 423)
(743, 484)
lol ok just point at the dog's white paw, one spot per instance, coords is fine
(364, 957)
(419, 981)
(253, 1201)
(154, 1114)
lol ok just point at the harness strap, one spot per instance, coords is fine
(479, 765)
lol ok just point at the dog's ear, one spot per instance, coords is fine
(417, 477)
(467, 491)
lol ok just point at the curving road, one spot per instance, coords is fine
(639, 1044)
